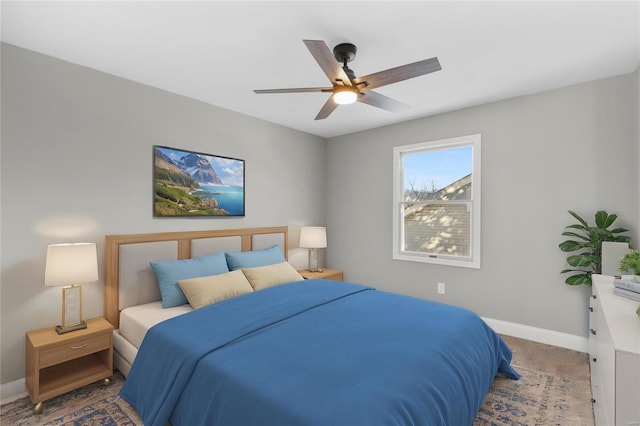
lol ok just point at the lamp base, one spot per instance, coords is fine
(61, 330)
(313, 261)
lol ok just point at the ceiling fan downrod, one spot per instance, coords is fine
(345, 53)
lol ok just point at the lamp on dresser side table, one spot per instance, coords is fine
(58, 363)
(325, 274)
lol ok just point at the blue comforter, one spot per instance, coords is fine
(317, 352)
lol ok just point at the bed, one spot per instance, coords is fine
(132, 295)
(310, 352)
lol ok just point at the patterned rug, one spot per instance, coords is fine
(554, 390)
(536, 399)
(94, 404)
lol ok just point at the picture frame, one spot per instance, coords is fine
(194, 184)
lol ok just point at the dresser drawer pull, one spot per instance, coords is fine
(592, 331)
(593, 400)
(594, 359)
(590, 309)
(594, 296)
(85, 345)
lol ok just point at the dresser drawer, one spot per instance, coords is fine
(74, 349)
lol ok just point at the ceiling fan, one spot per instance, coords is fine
(347, 88)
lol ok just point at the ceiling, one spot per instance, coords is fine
(218, 52)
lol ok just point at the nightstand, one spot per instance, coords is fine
(59, 363)
(326, 274)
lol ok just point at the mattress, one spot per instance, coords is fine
(136, 320)
(134, 323)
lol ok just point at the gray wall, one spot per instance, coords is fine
(574, 148)
(77, 165)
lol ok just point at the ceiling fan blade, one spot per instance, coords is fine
(404, 72)
(326, 109)
(381, 101)
(295, 90)
(324, 57)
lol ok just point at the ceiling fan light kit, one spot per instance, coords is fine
(344, 95)
(346, 87)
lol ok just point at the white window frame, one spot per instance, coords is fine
(473, 261)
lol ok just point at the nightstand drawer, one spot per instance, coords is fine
(74, 349)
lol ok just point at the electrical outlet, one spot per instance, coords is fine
(440, 288)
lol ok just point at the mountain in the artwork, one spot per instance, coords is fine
(191, 170)
(200, 169)
(167, 170)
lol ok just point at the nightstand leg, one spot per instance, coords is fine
(37, 409)
(106, 381)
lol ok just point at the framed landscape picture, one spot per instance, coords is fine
(187, 183)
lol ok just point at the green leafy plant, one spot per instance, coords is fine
(588, 240)
(631, 262)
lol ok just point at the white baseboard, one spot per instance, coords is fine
(14, 390)
(541, 335)
(11, 391)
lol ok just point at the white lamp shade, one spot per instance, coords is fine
(313, 237)
(71, 263)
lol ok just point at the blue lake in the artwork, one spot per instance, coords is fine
(230, 198)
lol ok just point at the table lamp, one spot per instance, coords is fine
(313, 238)
(70, 265)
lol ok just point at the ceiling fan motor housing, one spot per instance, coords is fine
(345, 52)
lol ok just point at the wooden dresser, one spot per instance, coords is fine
(614, 352)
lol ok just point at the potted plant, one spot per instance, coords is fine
(631, 262)
(588, 240)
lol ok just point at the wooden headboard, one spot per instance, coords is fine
(184, 242)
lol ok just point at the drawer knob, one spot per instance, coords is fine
(593, 400)
(594, 359)
(593, 296)
(85, 345)
(590, 309)
(592, 331)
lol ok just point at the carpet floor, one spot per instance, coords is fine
(554, 389)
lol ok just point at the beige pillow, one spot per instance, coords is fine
(204, 291)
(271, 275)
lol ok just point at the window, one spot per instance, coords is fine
(436, 202)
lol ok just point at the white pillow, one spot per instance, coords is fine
(204, 291)
(262, 277)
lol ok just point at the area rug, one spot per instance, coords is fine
(554, 390)
(536, 399)
(95, 404)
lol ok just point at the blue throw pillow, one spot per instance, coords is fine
(253, 259)
(169, 273)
